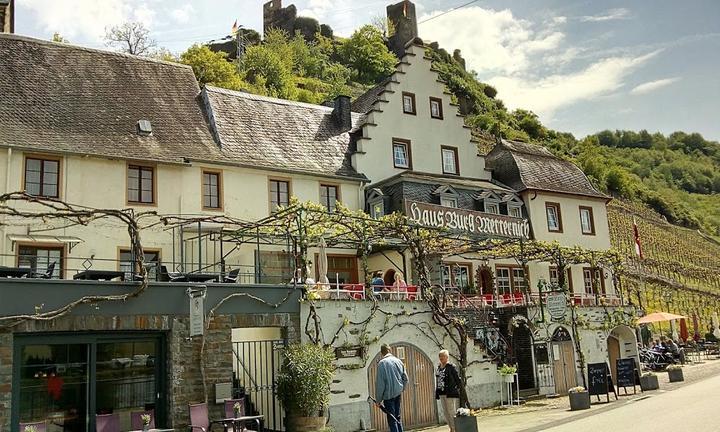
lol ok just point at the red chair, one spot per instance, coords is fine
(488, 299)
(518, 298)
(107, 422)
(412, 292)
(506, 299)
(136, 422)
(199, 419)
(358, 293)
(39, 426)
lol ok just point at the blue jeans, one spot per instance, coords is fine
(392, 408)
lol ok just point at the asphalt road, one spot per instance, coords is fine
(692, 408)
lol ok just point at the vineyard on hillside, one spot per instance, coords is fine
(680, 272)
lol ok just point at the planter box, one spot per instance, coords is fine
(579, 401)
(466, 424)
(649, 383)
(508, 378)
(676, 375)
(305, 424)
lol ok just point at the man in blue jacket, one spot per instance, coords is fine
(389, 385)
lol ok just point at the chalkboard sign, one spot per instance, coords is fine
(598, 379)
(626, 373)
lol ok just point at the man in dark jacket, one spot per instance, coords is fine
(389, 385)
(447, 387)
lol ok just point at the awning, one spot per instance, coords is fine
(36, 238)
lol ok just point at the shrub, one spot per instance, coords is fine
(304, 379)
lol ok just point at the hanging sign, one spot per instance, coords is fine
(468, 221)
(556, 305)
(197, 311)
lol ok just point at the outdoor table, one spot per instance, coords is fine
(98, 275)
(198, 277)
(154, 430)
(15, 272)
(234, 422)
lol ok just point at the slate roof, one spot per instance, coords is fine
(365, 101)
(63, 98)
(525, 166)
(280, 134)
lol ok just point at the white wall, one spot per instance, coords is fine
(426, 134)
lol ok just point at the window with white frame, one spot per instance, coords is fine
(377, 208)
(515, 211)
(448, 201)
(502, 280)
(492, 207)
(456, 275)
(408, 103)
(450, 160)
(591, 277)
(587, 224)
(554, 219)
(518, 280)
(401, 154)
(555, 280)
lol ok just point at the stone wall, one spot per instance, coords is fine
(394, 322)
(184, 376)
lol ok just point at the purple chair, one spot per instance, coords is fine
(199, 420)
(229, 407)
(40, 426)
(136, 419)
(107, 423)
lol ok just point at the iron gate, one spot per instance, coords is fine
(257, 364)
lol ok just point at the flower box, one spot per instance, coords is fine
(466, 424)
(579, 400)
(649, 382)
(675, 375)
(509, 378)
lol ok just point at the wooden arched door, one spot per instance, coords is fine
(563, 355)
(418, 408)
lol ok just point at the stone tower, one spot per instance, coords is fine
(403, 22)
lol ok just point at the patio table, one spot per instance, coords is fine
(235, 423)
(15, 272)
(99, 275)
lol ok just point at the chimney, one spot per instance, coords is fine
(403, 21)
(7, 16)
(341, 113)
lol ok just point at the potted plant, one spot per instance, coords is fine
(649, 381)
(579, 398)
(237, 409)
(304, 386)
(675, 373)
(465, 420)
(33, 428)
(507, 372)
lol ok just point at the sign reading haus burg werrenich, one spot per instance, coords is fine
(468, 221)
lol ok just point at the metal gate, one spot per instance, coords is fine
(418, 407)
(255, 370)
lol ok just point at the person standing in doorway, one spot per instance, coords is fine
(447, 387)
(389, 385)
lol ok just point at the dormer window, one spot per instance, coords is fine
(450, 163)
(514, 211)
(377, 208)
(492, 207)
(401, 154)
(436, 110)
(448, 201)
(408, 103)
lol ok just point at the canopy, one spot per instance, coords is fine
(658, 317)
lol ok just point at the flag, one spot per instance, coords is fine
(234, 28)
(636, 236)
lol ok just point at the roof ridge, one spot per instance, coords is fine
(24, 38)
(270, 99)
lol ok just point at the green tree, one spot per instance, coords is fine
(365, 52)
(264, 68)
(212, 67)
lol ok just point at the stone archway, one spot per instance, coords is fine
(621, 344)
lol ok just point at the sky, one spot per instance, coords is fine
(582, 66)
